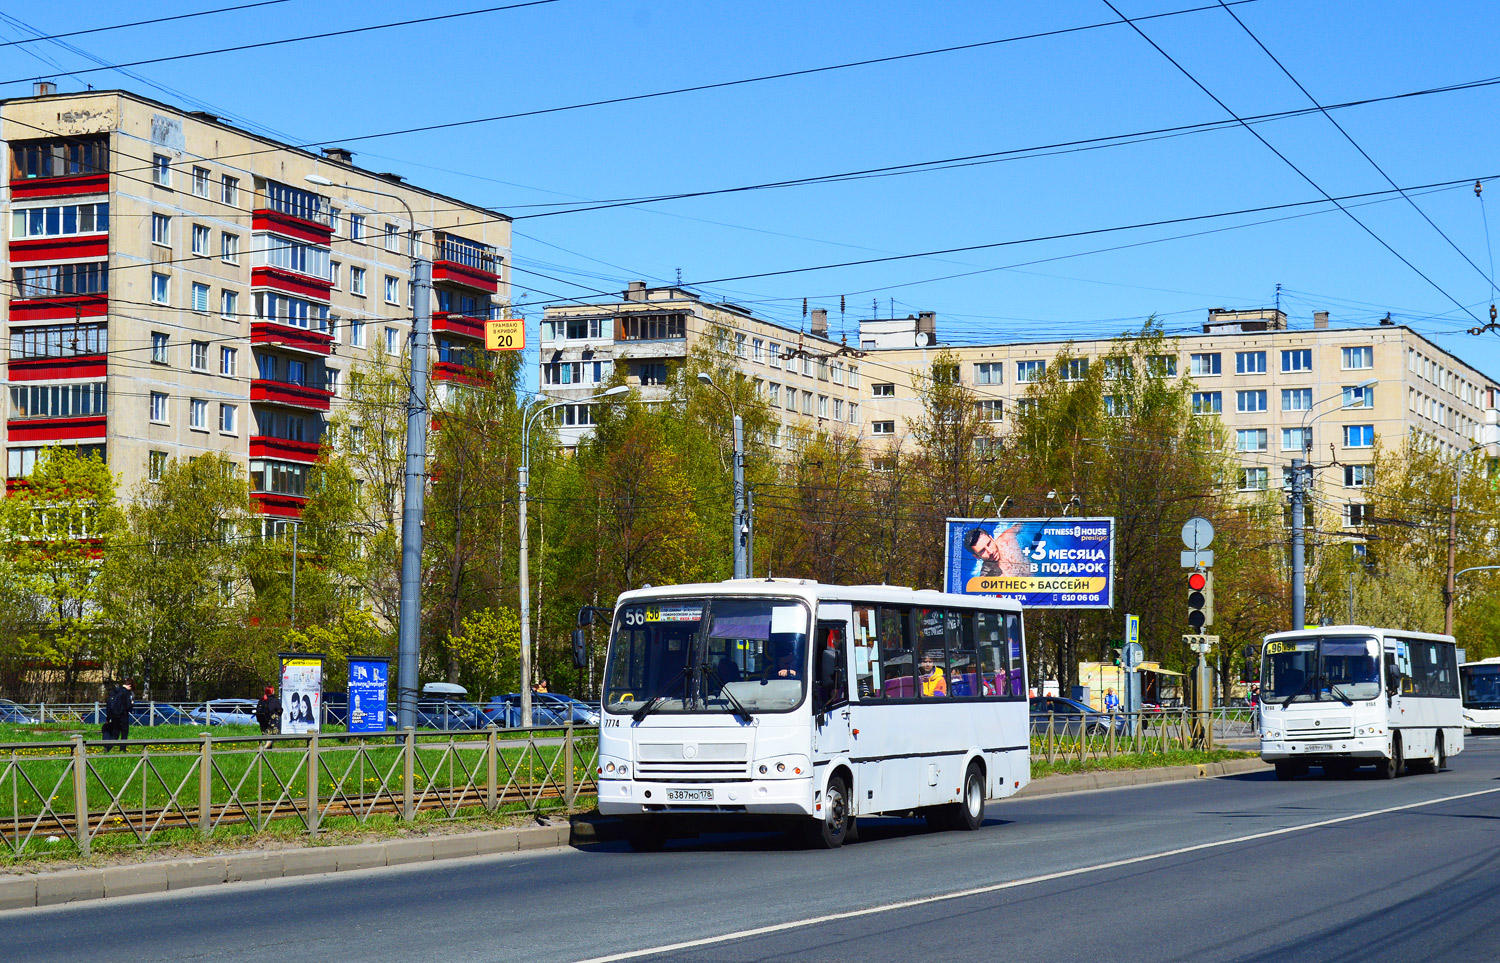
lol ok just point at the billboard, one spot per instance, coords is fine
(1058, 563)
(368, 681)
(301, 691)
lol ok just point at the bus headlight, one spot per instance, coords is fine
(784, 767)
(1272, 734)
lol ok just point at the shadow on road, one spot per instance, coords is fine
(766, 840)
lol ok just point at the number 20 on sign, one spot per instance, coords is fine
(508, 334)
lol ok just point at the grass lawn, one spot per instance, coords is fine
(1137, 760)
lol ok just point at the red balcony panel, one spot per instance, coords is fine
(293, 339)
(464, 276)
(461, 374)
(289, 226)
(290, 282)
(59, 306)
(57, 429)
(91, 246)
(57, 369)
(297, 396)
(281, 506)
(452, 322)
(284, 449)
(73, 186)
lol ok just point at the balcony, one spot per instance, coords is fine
(72, 428)
(52, 306)
(66, 248)
(291, 338)
(71, 185)
(284, 449)
(455, 373)
(291, 282)
(55, 368)
(280, 506)
(265, 392)
(452, 322)
(465, 263)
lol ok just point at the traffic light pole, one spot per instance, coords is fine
(1299, 571)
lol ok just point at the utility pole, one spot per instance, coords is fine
(295, 527)
(417, 417)
(1448, 586)
(1299, 590)
(741, 527)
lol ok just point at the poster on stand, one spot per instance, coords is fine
(1057, 563)
(368, 691)
(301, 691)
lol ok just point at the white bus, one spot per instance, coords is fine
(1480, 682)
(816, 703)
(1344, 696)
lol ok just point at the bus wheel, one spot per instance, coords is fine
(645, 835)
(968, 812)
(830, 831)
(1439, 755)
(1395, 762)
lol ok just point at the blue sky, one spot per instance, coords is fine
(1077, 85)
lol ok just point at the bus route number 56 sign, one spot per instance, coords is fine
(508, 334)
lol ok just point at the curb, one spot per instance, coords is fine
(78, 885)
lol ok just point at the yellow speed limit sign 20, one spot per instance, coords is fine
(508, 334)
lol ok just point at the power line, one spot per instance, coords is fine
(142, 23)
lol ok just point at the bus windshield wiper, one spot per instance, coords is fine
(661, 694)
(1300, 689)
(739, 708)
(1340, 693)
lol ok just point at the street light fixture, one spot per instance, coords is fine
(741, 529)
(525, 480)
(417, 416)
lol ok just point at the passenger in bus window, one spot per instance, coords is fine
(785, 660)
(934, 683)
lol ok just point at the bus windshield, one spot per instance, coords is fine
(708, 655)
(1321, 669)
(1481, 685)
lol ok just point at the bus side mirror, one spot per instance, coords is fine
(580, 649)
(828, 669)
(586, 615)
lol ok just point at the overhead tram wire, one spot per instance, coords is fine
(142, 23)
(1286, 160)
(1362, 152)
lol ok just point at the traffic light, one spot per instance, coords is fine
(1118, 654)
(1200, 599)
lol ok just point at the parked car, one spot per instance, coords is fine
(1069, 718)
(12, 712)
(146, 714)
(443, 706)
(547, 709)
(225, 712)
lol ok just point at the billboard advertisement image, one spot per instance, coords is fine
(301, 692)
(368, 681)
(1063, 563)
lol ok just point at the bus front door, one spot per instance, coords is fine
(832, 734)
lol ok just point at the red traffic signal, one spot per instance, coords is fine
(1197, 581)
(1200, 600)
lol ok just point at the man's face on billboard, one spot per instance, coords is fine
(986, 548)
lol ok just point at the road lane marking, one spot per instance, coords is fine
(1012, 884)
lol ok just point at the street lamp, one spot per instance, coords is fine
(417, 416)
(1299, 466)
(741, 529)
(525, 479)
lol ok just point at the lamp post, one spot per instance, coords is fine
(1300, 468)
(1449, 588)
(525, 479)
(741, 528)
(417, 416)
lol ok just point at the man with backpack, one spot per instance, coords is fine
(117, 713)
(268, 712)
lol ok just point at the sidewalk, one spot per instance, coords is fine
(51, 887)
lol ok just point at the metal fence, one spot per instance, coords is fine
(1059, 737)
(165, 790)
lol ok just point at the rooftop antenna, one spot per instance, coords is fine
(679, 277)
(1278, 295)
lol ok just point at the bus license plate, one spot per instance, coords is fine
(1319, 747)
(690, 795)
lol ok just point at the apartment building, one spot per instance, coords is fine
(808, 380)
(180, 286)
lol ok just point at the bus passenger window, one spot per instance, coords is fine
(866, 642)
(932, 654)
(963, 669)
(896, 668)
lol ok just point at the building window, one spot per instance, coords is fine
(1356, 514)
(161, 229)
(228, 415)
(158, 348)
(200, 181)
(822, 406)
(774, 351)
(200, 297)
(228, 361)
(58, 341)
(60, 158)
(1359, 397)
(357, 227)
(229, 191)
(1296, 439)
(1254, 479)
(1359, 436)
(229, 248)
(1297, 359)
(332, 381)
(990, 410)
(229, 304)
(1358, 358)
(838, 373)
(1030, 371)
(356, 333)
(158, 407)
(1074, 369)
(161, 170)
(581, 329)
(882, 427)
(739, 346)
(882, 390)
(1250, 401)
(1250, 439)
(853, 413)
(160, 288)
(1204, 365)
(1249, 362)
(1162, 365)
(1296, 399)
(55, 279)
(201, 237)
(198, 355)
(773, 394)
(1356, 476)
(392, 290)
(60, 220)
(651, 373)
(156, 464)
(198, 415)
(390, 238)
(391, 341)
(58, 401)
(807, 366)
(1208, 402)
(989, 373)
(357, 281)
(1115, 406)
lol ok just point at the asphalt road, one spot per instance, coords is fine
(1240, 868)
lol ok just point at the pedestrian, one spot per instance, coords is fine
(117, 713)
(268, 712)
(1111, 701)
